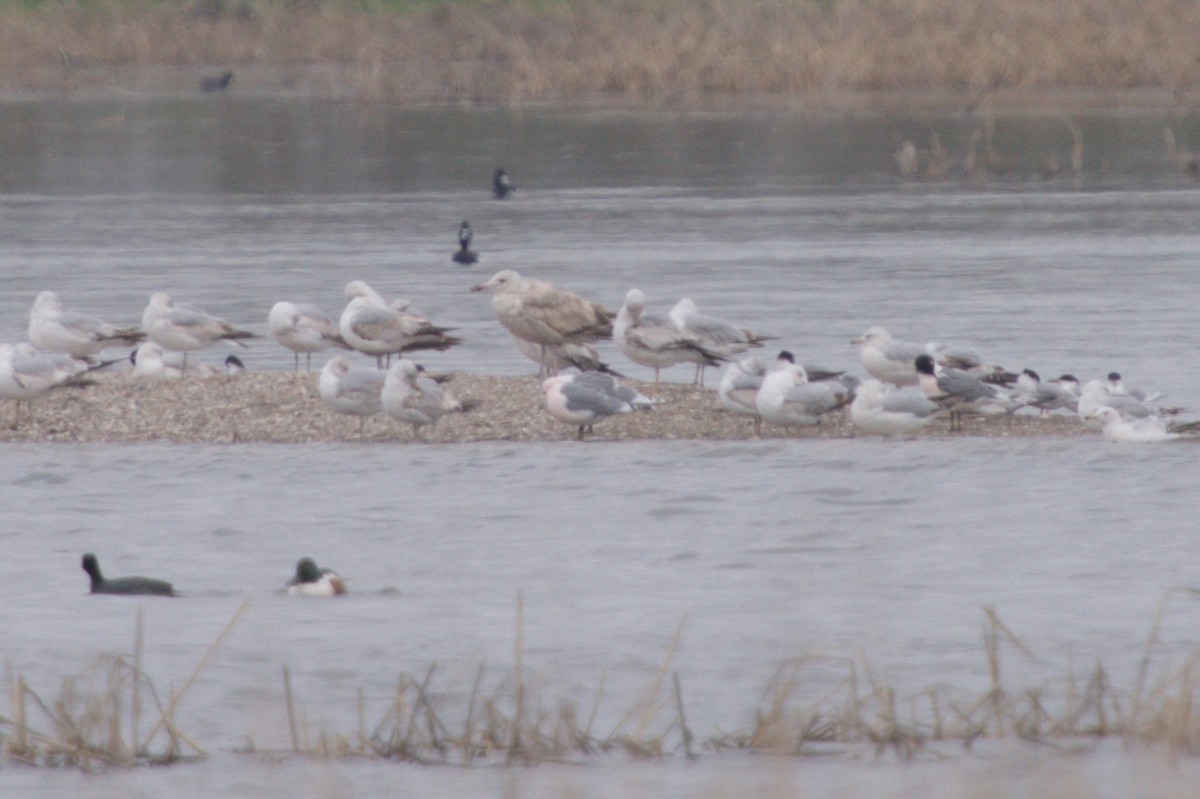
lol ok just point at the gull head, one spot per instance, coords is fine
(502, 281)
(873, 337)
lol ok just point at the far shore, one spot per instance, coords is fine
(283, 408)
(1058, 56)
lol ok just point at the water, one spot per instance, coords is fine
(753, 553)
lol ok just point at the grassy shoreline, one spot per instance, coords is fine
(683, 53)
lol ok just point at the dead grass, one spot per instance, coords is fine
(529, 51)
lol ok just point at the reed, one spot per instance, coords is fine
(438, 50)
(88, 727)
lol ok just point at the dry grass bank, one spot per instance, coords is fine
(684, 50)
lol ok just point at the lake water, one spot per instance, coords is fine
(755, 553)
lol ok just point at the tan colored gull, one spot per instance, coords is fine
(650, 340)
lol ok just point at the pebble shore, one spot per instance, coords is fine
(283, 408)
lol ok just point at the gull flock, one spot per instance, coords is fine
(909, 385)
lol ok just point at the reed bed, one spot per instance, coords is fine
(814, 705)
(687, 50)
(112, 715)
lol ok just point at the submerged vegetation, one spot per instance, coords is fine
(529, 50)
(813, 705)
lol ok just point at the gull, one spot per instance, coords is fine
(650, 340)
(311, 580)
(1047, 395)
(1148, 429)
(787, 398)
(885, 411)
(545, 314)
(24, 376)
(410, 397)
(501, 185)
(151, 363)
(53, 329)
(465, 254)
(590, 397)
(713, 333)
(892, 360)
(127, 586)
(583, 357)
(739, 387)
(375, 327)
(959, 391)
(186, 329)
(352, 391)
(1096, 394)
(303, 328)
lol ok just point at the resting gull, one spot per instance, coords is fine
(303, 328)
(353, 391)
(590, 397)
(186, 329)
(25, 376)
(375, 327)
(787, 398)
(739, 387)
(713, 333)
(53, 329)
(1147, 429)
(545, 314)
(651, 340)
(410, 397)
(885, 411)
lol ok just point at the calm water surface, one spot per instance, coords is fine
(762, 551)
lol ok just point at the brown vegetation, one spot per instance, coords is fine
(631, 49)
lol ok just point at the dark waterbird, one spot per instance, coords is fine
(465, 254)
(216, 83)
(501, 186)
(124, 585)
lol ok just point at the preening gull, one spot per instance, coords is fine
(303, 328)
(353, 391)
(739, 387)
(53, 329)
(1147, 429)
(650, 340)
(545, 314)
(186, 329)
(375, 327)
(787, 398)
(127, 586)
(311, 580)
(885, 411)
(589, 397)
(959, 392)
(465, 255)
(713, 333)
(410, 397)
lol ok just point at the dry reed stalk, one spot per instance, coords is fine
(518, 678)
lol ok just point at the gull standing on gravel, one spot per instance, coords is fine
(373, 326)
(353, 391)
(786, 397)
(713, 333)
(545, 314)
(410, 397)
(590, 397)
(882, 410)
(26, 376)
(959, 392)
(739, 387)
(53, 329)
(583, 357)
(186, 329)
(651, 340)
(303, 328)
